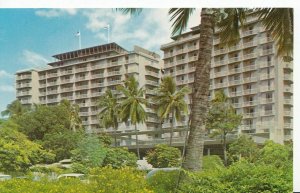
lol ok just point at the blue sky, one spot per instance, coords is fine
(29, 37)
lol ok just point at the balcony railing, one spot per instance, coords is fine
(98, 75)
(52, 100)
(234, 59)
(52, 92)
(234, 82)
(97, 66)
(114, 82)
(250, 55)
(23, 85)
(181, 61)
(249, 32)
(249, 103)
(82, 87)
(237, 93)
(288, 113)
(52, 75)
(28, 76)
(112, 73)
(97, 85)
(249, 79)
(288, 101)
(83, 113)
(268, 112)
(66, 89)
(81, 69)
(65, 72)
(96, 94)
(151, 82)
(249, 67)
(288, 77)
(267, 100)
(113, 63)
(249, 91)
(80, 78)
(266, 88)
(81, 96)
(249, 115)
(267, 51)
(234, 70)
(23, 93)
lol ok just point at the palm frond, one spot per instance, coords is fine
(131, 11)
(180, 18)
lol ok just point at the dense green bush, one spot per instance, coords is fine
(212, 162)
(163, 156)
(164, 182)
(119, 157)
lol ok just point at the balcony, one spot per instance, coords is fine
(220, 51)
(220, 62)
(64, 81)
(179, 82)
(249, 68)
(23, 85)
(97, 94)
(67, 97)
(42, 77)
(249, 56)
(113, 64)
(249, 44)
(181, 51)
(288, 66)
(97, 76)
(249, 91)
(267, 51)
(24, 76)
(95, 85)
(234, 59)
(234, 48)
(222, 73)
(151, 82)
(288, 77)
(249, 103)
(191, 48)
(288, 89)
(192, 69)
(94, 121)
(52, 92)
(80, 78)
(249, 32)
(24, 101)
(181, 61)
(168, 65)
(151, 119)
(114, 82)
(83, 104)
(193, 58)
(168, 55)
(81, 96)
(249, 79)
(235, 70)
(24, 93)
(234, 94)
(288, 101)
(265, 40)
(288, 125)
(51, 75)
(182, 71)
(236, 105)
(113, 73)
(69, 89)
(43, 93)
(288, 113)
(81, 69)
(266, 88)
(220, 85)
(235, 82)
(267, 112)
(82, 87)
(249, 115)
(66, 72)
(52, 83)
(83, 114)
(152, 73)
(267, 100)
(54, 100)
(97, 66)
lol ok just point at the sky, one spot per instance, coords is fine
(30, 37)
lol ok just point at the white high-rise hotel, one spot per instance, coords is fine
(81, 76)
(258, 83)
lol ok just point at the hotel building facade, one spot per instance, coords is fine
(258, 83)
(82, 76)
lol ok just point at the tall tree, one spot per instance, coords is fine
(171, 101)
(180, 16)
(109, 112)
(15, 109)
(73, 114)
(222, 119)
(132, 105)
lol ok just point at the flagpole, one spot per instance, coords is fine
(108, 33)
(79, 39)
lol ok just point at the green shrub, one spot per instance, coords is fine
(163, 156)
(111, 180)
(119, 157)
(212, 162)
(164, 182)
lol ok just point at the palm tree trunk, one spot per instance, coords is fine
(136, 142)
(195, 144)
(224, 149)
(172, 125)
(115, 136)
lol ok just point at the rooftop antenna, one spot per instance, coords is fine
(107, 27)
(79, 38)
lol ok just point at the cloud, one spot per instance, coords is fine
(33, 59)
(150, 29)
(49, 13)
(4, 74)
(7, 88)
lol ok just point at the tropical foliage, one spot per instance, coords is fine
(171, 101)
(163, 156)
(132, 105)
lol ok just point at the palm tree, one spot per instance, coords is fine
(171, 101)
(109, 113)
(15, 109)
(73, 113)
(200, 93)
(132, 105)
